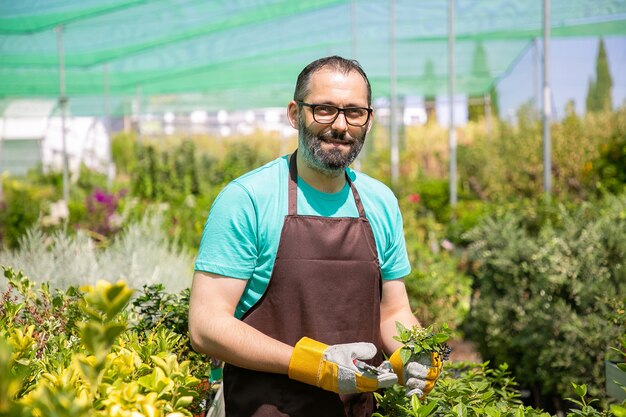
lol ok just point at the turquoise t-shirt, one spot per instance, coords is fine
(242, 231)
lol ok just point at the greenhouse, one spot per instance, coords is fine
(126, 124)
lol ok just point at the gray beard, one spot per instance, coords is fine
(329, 163)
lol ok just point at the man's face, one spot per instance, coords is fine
(331, 148)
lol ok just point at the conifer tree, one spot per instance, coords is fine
(481, 75)
(599, 91)
(429, 99)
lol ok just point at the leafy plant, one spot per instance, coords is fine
(155, 307)
(95, 368)
(463, 389)
(418, 340)
(549, 302)
(585, 409)
(141, 254)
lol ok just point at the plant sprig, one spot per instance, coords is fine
(418, 340)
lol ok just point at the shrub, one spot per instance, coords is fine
(463, 389)
(439, 291)
(92, 364)
(20, 208)
(550, 302)
(141, 254)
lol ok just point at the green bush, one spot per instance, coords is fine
(463, 389)
(140, 254)
(72, 354)
(610, 167)
(20, 208)
(550, 302)
(123, 152)
(439, 291)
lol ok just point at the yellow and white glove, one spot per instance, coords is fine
(334, 368)
(419, 374)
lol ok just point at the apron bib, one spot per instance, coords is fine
(326, 285)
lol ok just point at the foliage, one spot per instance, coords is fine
(610, 167)
(141, 254)
(599, 92)
(156, 307)
(584, 407)
(507, 162)
(549, 301)
(419, 339)
(463, 389)
(123, 152)
(102, 212)
(20, 208)
(480, 71)
(438, 290)
(91, 365)
(185, 179)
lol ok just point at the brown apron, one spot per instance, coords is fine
(326, 285)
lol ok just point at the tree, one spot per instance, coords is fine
(480, 76)
(429, 99)
(599, 92)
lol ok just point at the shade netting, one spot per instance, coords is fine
(125, 56)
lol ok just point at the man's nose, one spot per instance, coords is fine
(340, 123)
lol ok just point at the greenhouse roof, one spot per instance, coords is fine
(176, 54)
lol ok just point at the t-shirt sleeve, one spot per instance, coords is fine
(228, 245)
(395, 260)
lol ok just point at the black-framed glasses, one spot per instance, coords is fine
(327, 114)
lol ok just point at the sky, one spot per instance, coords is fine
(572, 64)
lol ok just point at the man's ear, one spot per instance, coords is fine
(292, 114)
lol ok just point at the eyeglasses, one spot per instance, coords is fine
(327, 114)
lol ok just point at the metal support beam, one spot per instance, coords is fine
(547, 107)
(63, 109)
(395, 152)
(451, 131)
(107, 123)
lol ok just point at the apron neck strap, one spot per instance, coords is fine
(293, 189)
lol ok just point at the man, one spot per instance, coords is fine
(298, 277)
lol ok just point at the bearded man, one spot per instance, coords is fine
(298, 279)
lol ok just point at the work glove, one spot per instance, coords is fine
(419, 374)
(338, 368)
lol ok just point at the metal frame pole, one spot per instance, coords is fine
(547, 107)
(62, 108)
(451, 131)
(107, 122)
(353, 29)
(395, 153)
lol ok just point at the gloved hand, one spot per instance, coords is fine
(333, 367)
(419, 374)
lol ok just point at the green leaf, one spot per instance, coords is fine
(400, 328)
(491, 411)
(405, 355)
(113, 330)
(580, 390)
(618, 410)
(428, 409)
(460, 410)
(486, 395)
(183, 402)
(415, 403)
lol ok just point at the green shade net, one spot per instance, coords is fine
(174, 55)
